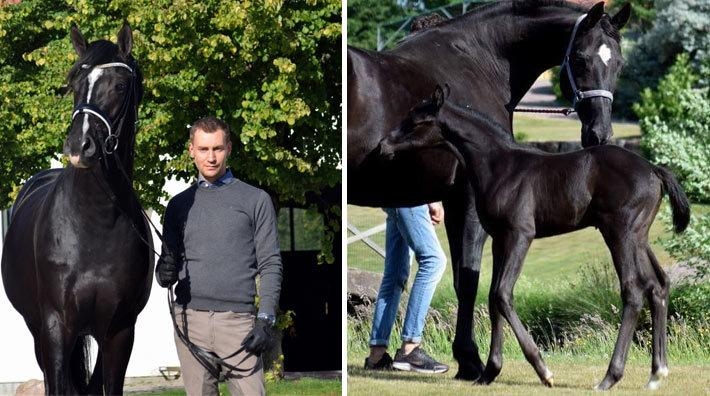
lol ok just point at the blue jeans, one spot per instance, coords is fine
(407, 228)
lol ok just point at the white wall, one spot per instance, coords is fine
(154, 345)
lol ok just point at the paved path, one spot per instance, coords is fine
(541, 95)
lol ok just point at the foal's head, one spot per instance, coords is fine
(591, 68)
(107, 89)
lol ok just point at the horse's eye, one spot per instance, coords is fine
(120, 87)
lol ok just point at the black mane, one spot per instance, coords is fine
(98, 52)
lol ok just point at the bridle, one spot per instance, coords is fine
(578, 94)
(110, 144)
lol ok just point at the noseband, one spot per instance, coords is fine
(111, 143)
(580, 95)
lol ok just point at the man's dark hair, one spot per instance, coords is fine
(425, 22)
(210, 124)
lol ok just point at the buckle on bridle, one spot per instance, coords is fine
(110, 144)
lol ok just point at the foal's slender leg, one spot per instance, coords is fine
(624, 254)
(658, 299)
(466, 240)
(495, 354)
(509, 255)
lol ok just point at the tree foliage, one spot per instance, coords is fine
(270, 69)
(680, 26)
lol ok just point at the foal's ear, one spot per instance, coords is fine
(619, 20)
(594, 15)
(439, 95)
(125, 40)
(77, 41)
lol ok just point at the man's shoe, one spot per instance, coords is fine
(385, 363)
(418, 361)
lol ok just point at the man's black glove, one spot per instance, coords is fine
(167, 270)
(260, 337)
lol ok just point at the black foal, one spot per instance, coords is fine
(522, 194)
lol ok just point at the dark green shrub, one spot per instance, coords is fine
(690, 302)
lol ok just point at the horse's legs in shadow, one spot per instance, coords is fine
(116, 352)
(509, 250)
(56, 342)
(466, 240)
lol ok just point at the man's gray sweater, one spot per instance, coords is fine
(223, 237)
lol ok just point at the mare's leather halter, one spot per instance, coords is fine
(111, 142)
(580, 95)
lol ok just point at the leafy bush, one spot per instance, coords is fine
(690, 302)
(680, 26)
(675, 121)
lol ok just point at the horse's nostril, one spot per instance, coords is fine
(88, 147)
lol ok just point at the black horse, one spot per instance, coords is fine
(490, 58)
(77, 261)
(523, 194)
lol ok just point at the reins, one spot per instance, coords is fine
(209, 360)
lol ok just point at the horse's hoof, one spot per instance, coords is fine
(465, 375)
(549, 379)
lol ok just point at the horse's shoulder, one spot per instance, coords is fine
(39, 182)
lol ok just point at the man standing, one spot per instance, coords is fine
(220, 233)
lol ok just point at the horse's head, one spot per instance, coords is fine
(590, 69)
(107, 88)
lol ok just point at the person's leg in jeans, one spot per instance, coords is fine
(415, 226)
(394, 280)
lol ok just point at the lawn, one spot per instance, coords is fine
(572, 377)
(302, 387)
(562, 129)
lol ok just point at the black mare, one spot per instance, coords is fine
(490, 58)
(77, 261)
(522, 194)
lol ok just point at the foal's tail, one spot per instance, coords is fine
(679, 202)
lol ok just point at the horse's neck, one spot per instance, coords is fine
(506, 53)
(480, 143)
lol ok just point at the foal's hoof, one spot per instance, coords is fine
(549, 380)
(655, 381)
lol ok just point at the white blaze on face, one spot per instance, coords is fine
(604, 53)
(93, 77)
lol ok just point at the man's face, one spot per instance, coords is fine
(210, 152)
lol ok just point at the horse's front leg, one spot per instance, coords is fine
(116, 352)
(509, 250)
(466, 240)
(55, 348)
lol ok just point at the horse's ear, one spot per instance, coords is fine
(594, 15)
(125, 40)
(619, 20)
(439, 96)
(78, 41)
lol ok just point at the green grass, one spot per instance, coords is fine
(572, 377)
(549, 259)
(303, 386)
(559, 129)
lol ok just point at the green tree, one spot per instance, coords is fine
(271, 69)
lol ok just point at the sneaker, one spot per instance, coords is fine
(385, 363)
(418, 361)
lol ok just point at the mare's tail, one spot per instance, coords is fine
(80, 369)
(679, 202)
